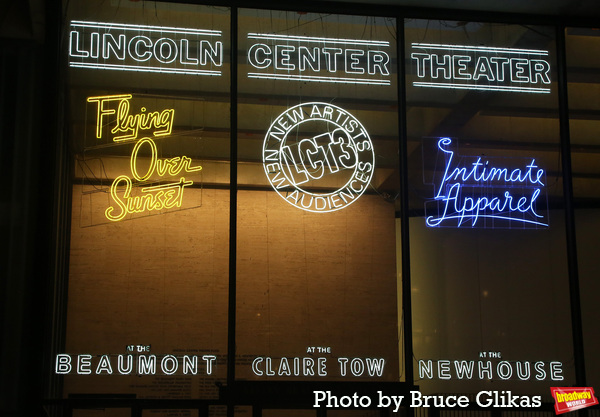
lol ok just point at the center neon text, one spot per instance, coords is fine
(483, 189)
(324, 60)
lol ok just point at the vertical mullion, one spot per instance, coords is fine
(565, 151)
(404, 218)
(233, 73)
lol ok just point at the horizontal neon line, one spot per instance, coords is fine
(481, 87)
(315, 78)
(315, 39)
(479, 48)
(80, 23)
(488, 216)
(143, 69)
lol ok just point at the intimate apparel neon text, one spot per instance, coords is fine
(500, 193)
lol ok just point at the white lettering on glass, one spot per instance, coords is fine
(481, 68)
(324, 60)
(502, 370)
(324, 167)
(128, 47)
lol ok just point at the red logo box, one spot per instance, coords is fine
(572, 398)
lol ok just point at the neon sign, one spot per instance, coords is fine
(318, 157)
(127, 47)
(485, 369)
(324, 60)
(481, 68)
(160, 122)
(310, 366)
(480, 192)
(125, 364)
(115, 111)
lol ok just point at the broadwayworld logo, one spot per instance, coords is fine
(572, 398)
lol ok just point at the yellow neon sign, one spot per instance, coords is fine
(152, 198)
(163, 167)
(159, 197)
(130, 124)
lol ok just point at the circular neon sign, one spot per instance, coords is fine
(318, 157)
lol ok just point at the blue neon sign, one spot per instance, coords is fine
(478, 191)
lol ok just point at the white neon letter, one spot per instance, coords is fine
(171, 50)
(501, 63)
(519, 70)
(121, 369)
(504, 370)
(420, 58)
(190, 364)
(343, 362)
(207, 52)
(483, 69)
(425, 369)
(255, 60)
(378, 60)
(523, 374)
(322, 366)
(255, 369)
(485, 370)
(184, 53)
(63, 363)
(556, 371)
(134, 48)
(460, 67)
(169, 365)
(444, 369)
(539, 69)
(118, 48)
(357, 367)
(147, 365)
(282, 57)
(104, 365)
(74, 46)
(84, 363)
(353, 61)
(331, 58)
(375, 366)
(305, 57)
(445, 66)
(209, 359)
(539, 367)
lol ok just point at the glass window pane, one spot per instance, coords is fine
(487, 238)
(148, 124)
(318, 177)
(583, 47)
